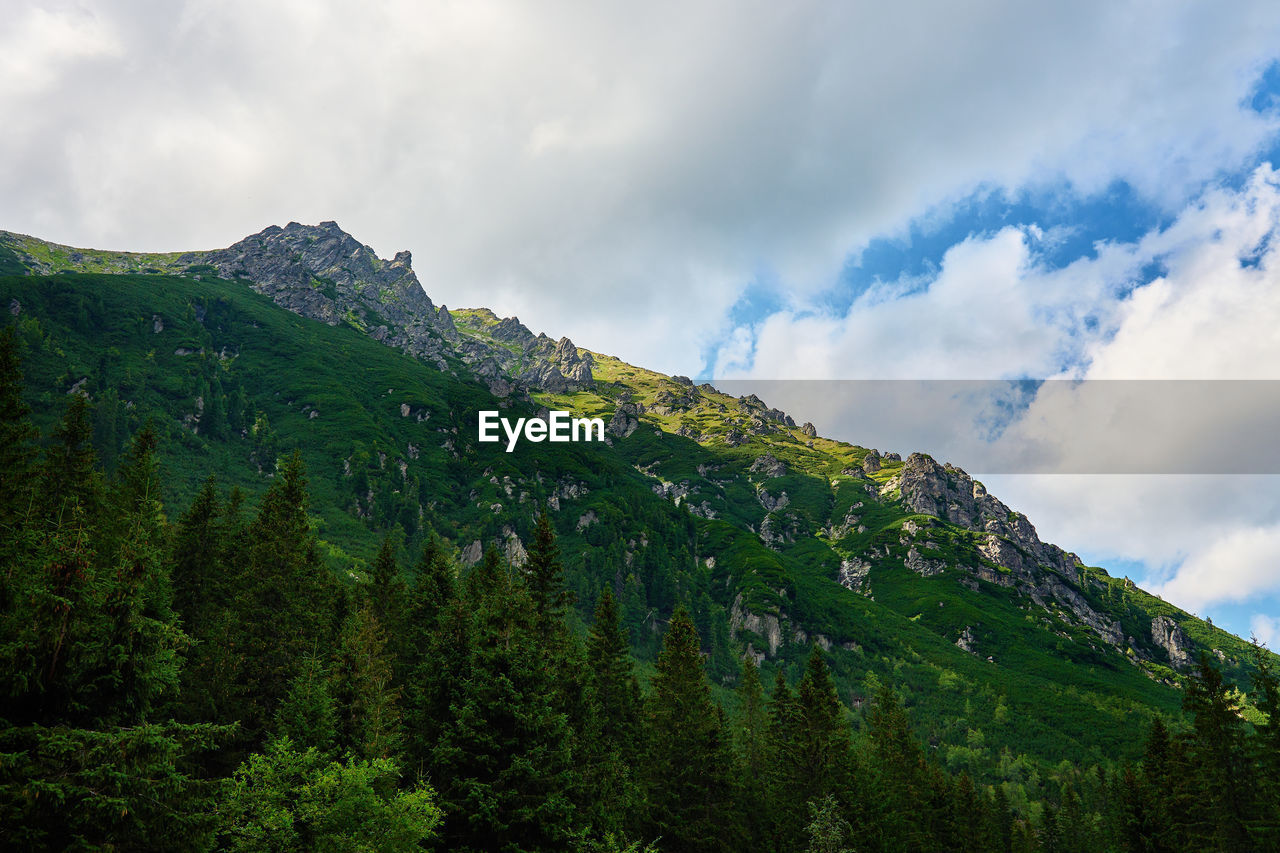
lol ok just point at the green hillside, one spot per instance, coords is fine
(1009, 657)
(272, 382)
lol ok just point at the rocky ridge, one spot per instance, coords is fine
(323, 273)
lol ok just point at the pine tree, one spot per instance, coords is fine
(503, 755)
(69, 481)
(751, 743)
(198, 573)
(1266, 747)
(820, 758)
(88, 653)
(17, 444)
(689, 792)
(545, 575)
(609, 746)
(615, 691)
(363, 689)
(287, 603)
(388, 593)
(1216, 750)
(308, 713)
(142, 641)
(899, 765)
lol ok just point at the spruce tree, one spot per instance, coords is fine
(688, 759)
(503, 758)
(17, 444)
(69, 482)
(1216, 752)
(364, 691)
(308, 713)
(287, 602)
(545, 575)
(751, 743)
(610, 745)
(899, 765)
(1266, 747)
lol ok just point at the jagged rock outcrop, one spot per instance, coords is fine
(853, 575)
(625, 420)
(324, 273)
(769, 466)
(766, 626)
(762, 413)
(922, 566)
(1169, 636)
(948, 493)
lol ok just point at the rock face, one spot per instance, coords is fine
(853, 575)
(947, 492)
(769, 466)
(1169, 636)
(1045, 573)
(324, 273)
(767, 626)
(626, 417)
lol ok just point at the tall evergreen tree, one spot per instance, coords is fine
(388, 593)
(899, 766)
(69, 481)
(1266, 748)
(545, 574)
(610, 746)
(751, 744)
(1216, 751)
(308, 715)
(17, 444)
(503, 756)
(287, 604)
(363, 688)
(688, 760)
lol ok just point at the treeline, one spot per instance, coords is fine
(210, 684)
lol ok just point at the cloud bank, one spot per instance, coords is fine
(613, 172)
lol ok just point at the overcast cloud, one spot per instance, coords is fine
(613, 172)
(622, 173)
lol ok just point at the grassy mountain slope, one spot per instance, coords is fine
(776, 538)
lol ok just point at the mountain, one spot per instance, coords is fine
(904, 571)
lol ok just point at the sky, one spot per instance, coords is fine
(747, 190)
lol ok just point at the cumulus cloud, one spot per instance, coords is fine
(1267, 630)
(1112, 338)
(1233, 567)
(616, 173)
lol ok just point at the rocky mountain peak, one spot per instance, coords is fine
(322, 272)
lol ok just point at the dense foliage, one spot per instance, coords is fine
(210, 683)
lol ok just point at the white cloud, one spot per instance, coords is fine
(1205, 540)
(39, 44)
(1235, 566)
(616, 173)
(1267, 630)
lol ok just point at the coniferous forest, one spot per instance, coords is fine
(197, 678)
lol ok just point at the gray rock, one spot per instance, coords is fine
(1169, 636)
(853, 575)
(768, 465)
(625, 420)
